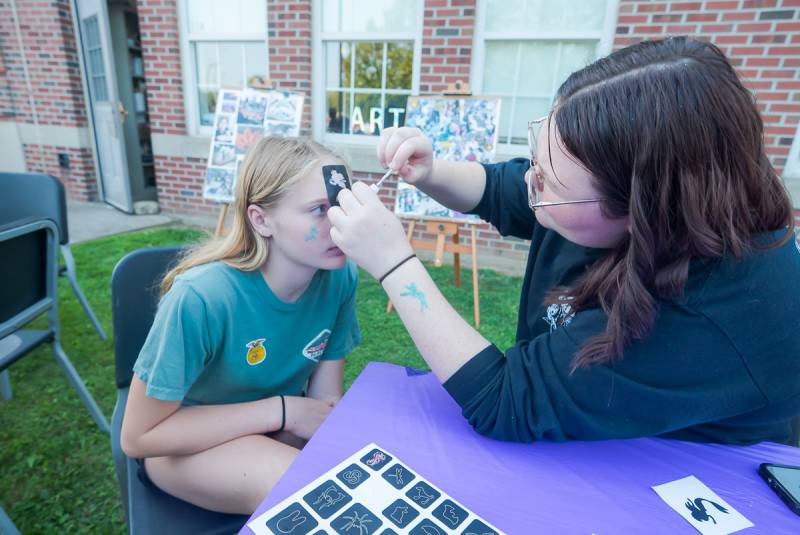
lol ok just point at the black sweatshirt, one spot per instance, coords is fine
(721, 364)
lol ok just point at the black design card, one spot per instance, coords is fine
(336, 179)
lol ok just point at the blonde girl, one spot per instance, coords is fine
(245, 356)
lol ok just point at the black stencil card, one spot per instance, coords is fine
(336, 179)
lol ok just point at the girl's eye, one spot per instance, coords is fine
(320, 210)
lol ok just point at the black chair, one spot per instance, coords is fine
(7, 527)
(134, 297)
(28, 275)
(37, 195)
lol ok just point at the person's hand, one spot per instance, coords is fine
(407, 151)
(366, 231)
(305, 415)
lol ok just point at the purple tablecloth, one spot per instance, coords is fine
(575, 487)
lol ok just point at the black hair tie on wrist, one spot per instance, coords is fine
(283, 414)
(403, 261)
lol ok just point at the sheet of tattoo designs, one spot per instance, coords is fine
(371, 492)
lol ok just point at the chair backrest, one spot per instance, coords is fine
(37, 195)
(134, 300)
(28, 271)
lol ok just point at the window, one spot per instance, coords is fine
(525, 49)
(369, 47)
(224, 45)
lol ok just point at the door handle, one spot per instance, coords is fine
(122, 111)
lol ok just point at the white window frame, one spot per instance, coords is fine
(189, 69)
(791, 171)
(319, 99)
(605, 38)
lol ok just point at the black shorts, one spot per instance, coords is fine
(141, 473)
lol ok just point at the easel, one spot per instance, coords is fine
(262, 84)
(444, 228)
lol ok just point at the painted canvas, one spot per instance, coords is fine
(460, 129)
(242, 118)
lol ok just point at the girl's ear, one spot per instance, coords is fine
(260, 221)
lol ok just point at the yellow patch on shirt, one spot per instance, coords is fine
(256, 352)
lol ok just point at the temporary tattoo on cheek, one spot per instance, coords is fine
(413, 291)
(312, 233)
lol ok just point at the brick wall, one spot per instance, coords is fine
(52, 93)
(761, 37)
(179, 180)
(159, 33)
(180, 185)
(447, 32)
(79, 177)
(289, 38)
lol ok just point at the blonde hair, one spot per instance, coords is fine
(267, 173)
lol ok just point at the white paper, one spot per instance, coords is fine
(702, 507)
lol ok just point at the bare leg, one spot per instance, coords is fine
(233, 477)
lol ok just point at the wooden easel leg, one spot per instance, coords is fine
(475, 292)
(410, 236)
(220, 230)
(456, 263)
(439, 252)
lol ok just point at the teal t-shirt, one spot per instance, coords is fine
(221, 336)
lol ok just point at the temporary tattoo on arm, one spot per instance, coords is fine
(312, 233)
(413, 291)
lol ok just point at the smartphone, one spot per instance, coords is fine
(785, 481)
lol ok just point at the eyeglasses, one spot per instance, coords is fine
(534, 128)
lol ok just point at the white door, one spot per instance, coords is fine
(104, 103)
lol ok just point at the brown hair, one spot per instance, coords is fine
(674, 142)
(267, 173)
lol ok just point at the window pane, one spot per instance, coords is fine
(206, 64)
(526, 109)
(206, 104)
(506, 15)
(338, 119)
(337, 64)
(367, 114)
(395, 112)
(368, 15)
(399, 64)
(255, 60)
(545, 15)
(345, 75)
(238, 62)
(543, 67)
(231, 16)
(537, 68)
(574, 56)
(500, 69)
(369, 65)
(231, 65)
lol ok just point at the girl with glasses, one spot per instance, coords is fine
(661, 292)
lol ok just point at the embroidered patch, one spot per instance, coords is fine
(559, 314)
(316, 347)
(256, 352)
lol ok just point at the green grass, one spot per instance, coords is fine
(57, 471)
